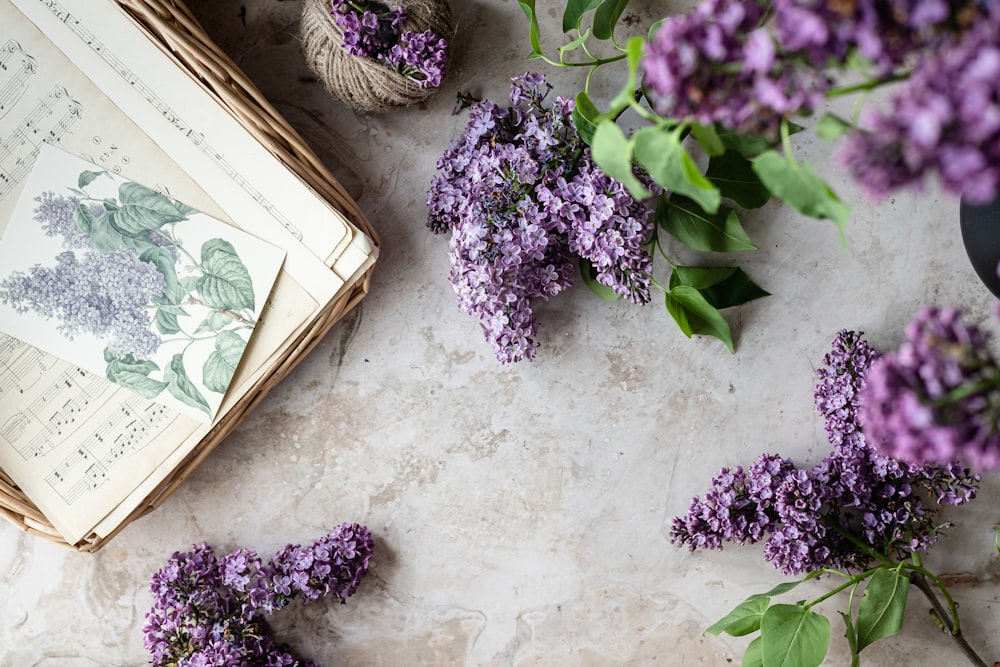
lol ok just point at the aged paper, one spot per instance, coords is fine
(55, 419)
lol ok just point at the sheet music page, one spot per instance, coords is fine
(58, 436)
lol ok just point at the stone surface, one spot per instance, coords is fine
(521, 513)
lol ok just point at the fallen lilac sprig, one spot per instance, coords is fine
(210, 611)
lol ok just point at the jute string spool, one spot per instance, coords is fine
(367, 84)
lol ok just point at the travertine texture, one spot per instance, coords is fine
(520, 513)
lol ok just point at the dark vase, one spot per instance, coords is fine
(981, 235)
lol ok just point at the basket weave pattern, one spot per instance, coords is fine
(172, 25)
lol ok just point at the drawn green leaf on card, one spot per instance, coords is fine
(606, 17)
(801, 186)
(163, 260)
(221, 364)
(736, 179)
(133, 374)
(692, 225)
(694, 315)
(181, 387)
(88, 177)
(143, 209)
(98, 227)
(215, 321)
(791, 635)
(663, 155)
(573, 14)
(880, 613)
(225, 282)
(167, 322)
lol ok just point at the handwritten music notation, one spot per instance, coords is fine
(122, 68)
(49, 120)
(90, 464)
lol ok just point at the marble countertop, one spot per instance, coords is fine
(521, 513)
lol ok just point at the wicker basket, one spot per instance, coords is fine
(173, 25)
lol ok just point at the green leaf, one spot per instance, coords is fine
(742, 620)
(590, 280)
(831, 127)
(569, 46)
(798, 184)
(533, 31)
(612, 152)
(670, 165)
(785, 586)
(133, 374)
(585, 117)
(709, 232)
(573, 14)
(225, 282)
(733, 174)
(143, 209)
(750, 145)
(852, 638)
(722, 287)
(880, 613)
(221, 364)
(793, 636)
(694, 315)
(626, 96)
(88, 177)
(709, 139)
(700, 277)
(180, 386)
(606, 17)
(754, 655)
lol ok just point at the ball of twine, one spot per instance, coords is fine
(366, 83)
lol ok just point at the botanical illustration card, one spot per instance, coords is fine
(128, 283)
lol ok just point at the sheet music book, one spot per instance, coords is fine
(79, 75)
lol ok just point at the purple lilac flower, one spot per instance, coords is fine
(882, 32)
(523, 201)
(372, 30)
(717, 64)
(101, 293)
(420, 56)
(935, 399)
(816, 518)
(208, 610)
(945, 120)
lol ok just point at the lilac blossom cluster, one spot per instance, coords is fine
(101, 293)
(372, 30)
(748, 65)
(524, 202)
(717, 64)
(945, 120)
(831, 515)
(936, 398)
(208, 610)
